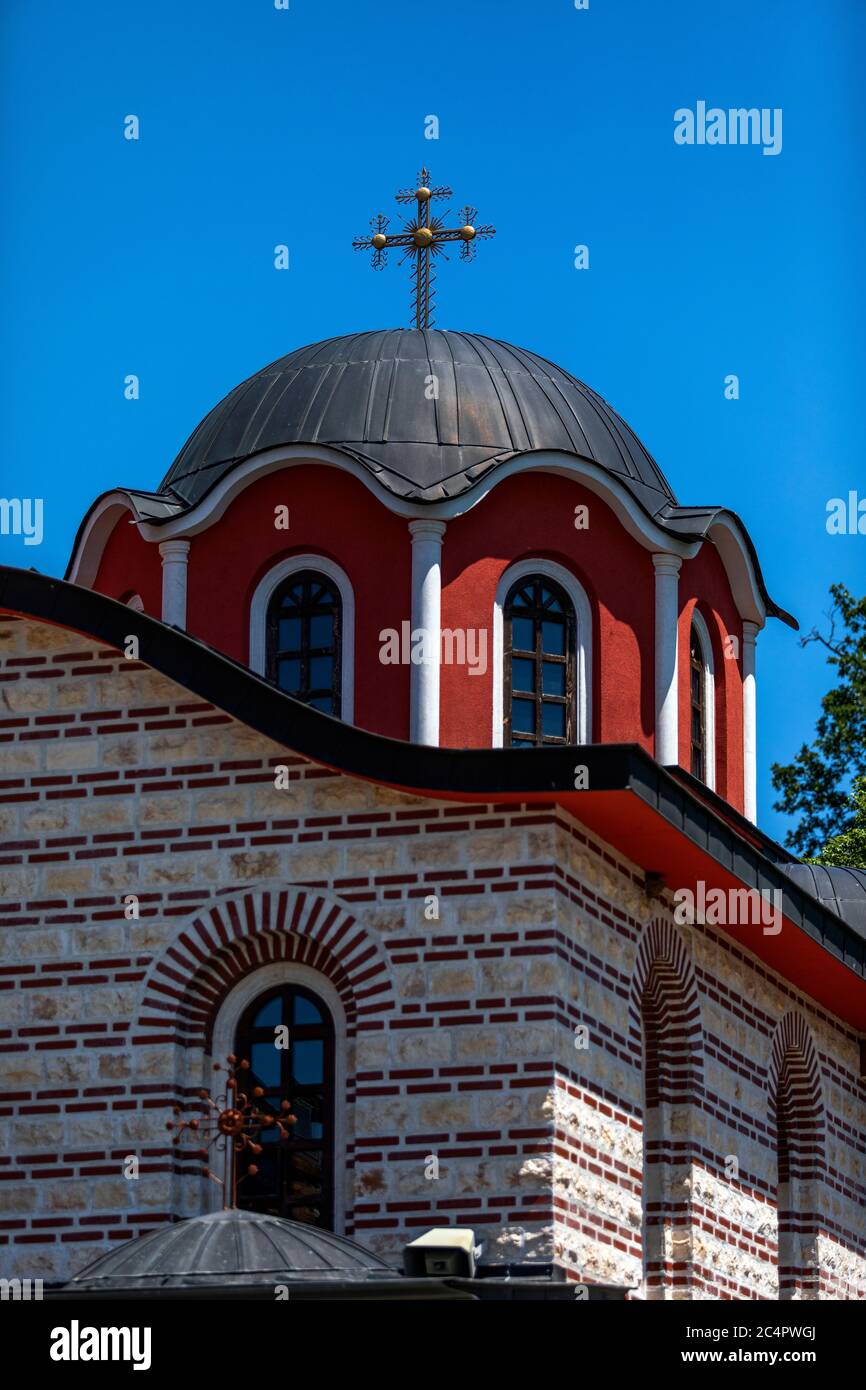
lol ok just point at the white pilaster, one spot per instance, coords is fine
(175, 556)
(750, 728)
(667, 570)
(426, 617)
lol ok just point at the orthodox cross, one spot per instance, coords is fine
(233, 1124)
(422, 238)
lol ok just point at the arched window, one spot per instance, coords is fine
(702, 693)
(698, 708)
(295, 1176)
(539, 661)
(304, 631)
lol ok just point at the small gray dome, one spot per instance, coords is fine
(842, 890)
(230, 1248)
(367, 394)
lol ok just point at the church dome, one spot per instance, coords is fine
(370, 395)
(239, 1248)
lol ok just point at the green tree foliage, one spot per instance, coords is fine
(849, 848)
(815, 787)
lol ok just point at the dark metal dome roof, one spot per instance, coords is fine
(842, 890)
(367, 394)
(230, 1247)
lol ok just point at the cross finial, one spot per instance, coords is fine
(421, 239)
(233, 1123)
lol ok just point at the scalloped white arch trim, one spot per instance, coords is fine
(103, 518)
(725, 533)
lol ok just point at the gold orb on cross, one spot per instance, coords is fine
(467, 232)
(380, 240)
(422, 236)
(423, 195)
(231, 1122)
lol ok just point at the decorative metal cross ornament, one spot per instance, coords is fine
(232, 1123)
(421, 239)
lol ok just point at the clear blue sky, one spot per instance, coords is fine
(261, 126)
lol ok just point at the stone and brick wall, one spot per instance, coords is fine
(511, 1037)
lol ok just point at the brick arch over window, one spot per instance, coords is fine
(796, 1113)
(233, 935)
(667, 1037)
(665, 1017)
(796, 1102)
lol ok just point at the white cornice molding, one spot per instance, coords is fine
(102, 520)
(727, 536)
(725, 532)
(597, 479)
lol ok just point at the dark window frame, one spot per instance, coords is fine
(538, 611)
(251, 1197)
(698, 751)
(305, 611)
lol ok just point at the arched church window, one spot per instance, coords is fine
(304, 629)
(539, 662)
(702, 702)
(295, 1176)
(698, 707)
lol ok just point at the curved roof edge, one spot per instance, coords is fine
(234, 1247)
(843, 890)
(659, 812)
(359, 392)
(682, 526)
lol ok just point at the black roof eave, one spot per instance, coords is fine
(422, 770)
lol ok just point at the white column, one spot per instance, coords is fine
(750, 726)
(667, 568)
(175, 555)
(426, 616)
